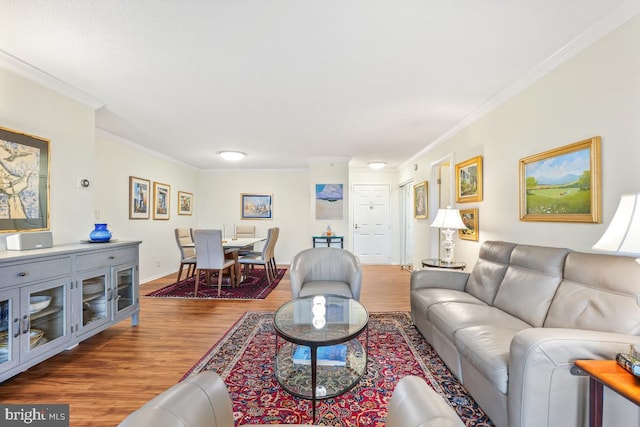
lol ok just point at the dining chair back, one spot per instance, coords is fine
(263, 258)
(245, 231)
(187, 252)
(210, 257)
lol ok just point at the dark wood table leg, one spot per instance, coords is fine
(595, 403)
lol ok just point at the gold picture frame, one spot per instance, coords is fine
(563, 184)
(421, 200)
(469, 180)
(139, 194)
(470, 219)
(161, 200)
(185, 203)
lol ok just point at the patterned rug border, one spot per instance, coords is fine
(264, 292)
(252, 387)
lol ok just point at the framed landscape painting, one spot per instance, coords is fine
(256, 206)
(185, 203)
(139, 198)
(563, 184)
(420, 200)
(24, 181)
(469, 180)
(161, 198)
(329, 201)
(470, 219)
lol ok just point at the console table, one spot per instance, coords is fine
(330, 241)
(607, 372)
(52, 299)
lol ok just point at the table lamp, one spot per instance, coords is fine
(623, 234)
(448, 220)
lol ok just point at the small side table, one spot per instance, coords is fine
(330, 241)
(607, 372)
(439, 264)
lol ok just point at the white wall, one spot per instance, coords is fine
(597, 92)
(29, 108)
(117, 160)
(217, 203)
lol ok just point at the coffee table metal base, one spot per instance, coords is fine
(331, 381)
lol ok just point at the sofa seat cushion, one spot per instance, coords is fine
(422, 299)
(450, 317)
(486, 348)
(325, 287)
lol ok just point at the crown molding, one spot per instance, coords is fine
(617, 17)
(36, 75)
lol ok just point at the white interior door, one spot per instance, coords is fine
(371, 224)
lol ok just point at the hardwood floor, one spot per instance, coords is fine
(113, 373)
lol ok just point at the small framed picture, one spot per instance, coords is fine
(420, 200)
(139, 191)
(256, 206)
(470, 219)
(161, 199)
(469, 180)
(185, 203)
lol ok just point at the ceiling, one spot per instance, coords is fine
(292, 82)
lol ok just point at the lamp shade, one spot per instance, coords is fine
(623, 234)
(448, 218)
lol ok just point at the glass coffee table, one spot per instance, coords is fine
(322, 356)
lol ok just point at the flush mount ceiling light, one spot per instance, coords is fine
(231, 155)
(377, 165)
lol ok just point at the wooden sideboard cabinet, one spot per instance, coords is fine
(52, 299)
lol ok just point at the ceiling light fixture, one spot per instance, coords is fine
(377, 165)
(232, 155)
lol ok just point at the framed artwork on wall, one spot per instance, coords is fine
(185, 203)
(139, 198)
(563, 184)
(329, 201)
(161, 199)
(470, 219)
(469, 180)
(24, 181)
(420, 200)
(256, 206)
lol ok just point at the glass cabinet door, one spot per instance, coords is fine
(124, 289)
(45, 316)
(94, 293)
(9, 330)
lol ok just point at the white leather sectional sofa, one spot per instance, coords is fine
(511, 328)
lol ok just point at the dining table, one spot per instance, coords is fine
(232, 246)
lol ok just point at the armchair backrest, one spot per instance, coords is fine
(326, 264)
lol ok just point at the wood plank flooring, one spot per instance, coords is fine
(113, 373)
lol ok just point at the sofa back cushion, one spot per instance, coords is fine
(531, 281)
(598, 293)
(489, 270)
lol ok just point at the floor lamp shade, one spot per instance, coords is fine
(623, 234)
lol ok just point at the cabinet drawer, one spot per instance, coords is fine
(18, 274)
(102, 258)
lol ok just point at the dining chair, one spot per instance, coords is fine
(210, 257)
(187, 252)
(263, 258)
(242, 231)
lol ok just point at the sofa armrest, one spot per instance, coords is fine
(443, 279)
(542, 383)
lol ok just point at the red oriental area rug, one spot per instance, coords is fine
(244, 358)
(254, 286)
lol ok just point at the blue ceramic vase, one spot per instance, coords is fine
(100, 233)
